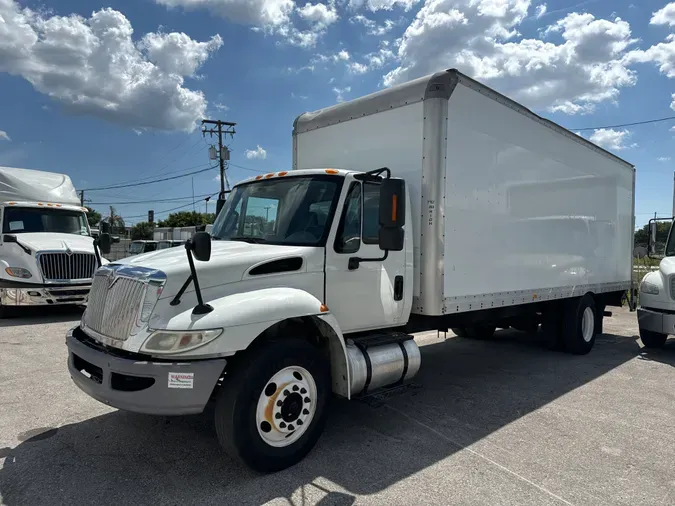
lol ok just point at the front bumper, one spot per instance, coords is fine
(44, 295)
(134, 382)
(656, 321)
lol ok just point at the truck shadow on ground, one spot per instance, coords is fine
(466, 391)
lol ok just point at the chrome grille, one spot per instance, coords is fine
(64, 266)
(113, 310)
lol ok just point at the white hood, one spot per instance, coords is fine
(230, 260)
(49, 241)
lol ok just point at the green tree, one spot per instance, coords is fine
(93, 217)
(115, 219)
(187, 219)
(142, 231)
(662, 230)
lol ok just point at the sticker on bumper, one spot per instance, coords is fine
(181, 379)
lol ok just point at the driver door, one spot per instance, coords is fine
(369, 296)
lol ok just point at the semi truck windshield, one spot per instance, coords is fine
(17, 220)
(293, 210)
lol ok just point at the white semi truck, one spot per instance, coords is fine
(47, 254)
(431, 205)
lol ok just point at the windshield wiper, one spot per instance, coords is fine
(250, 240)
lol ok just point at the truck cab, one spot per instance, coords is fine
(46, 249)
(139, 247)
(656, 313)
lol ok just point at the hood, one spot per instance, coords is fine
(230, 260)
(667, 266)
(50, 241)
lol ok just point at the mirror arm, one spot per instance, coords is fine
(97, 253)
(176, 299)
(354, 262)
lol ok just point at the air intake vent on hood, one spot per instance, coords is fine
(276, 266)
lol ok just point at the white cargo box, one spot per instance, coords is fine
(508, 208)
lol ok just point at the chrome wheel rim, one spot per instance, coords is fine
(286, 406)
(588, 324)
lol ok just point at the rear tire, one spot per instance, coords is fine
(652, 339)
(579, 324)
(251, 424)
(459, 331)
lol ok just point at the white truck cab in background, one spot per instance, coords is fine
(431, 205)
(46, 249)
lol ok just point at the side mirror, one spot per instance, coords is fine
(105, 227)
(219, 205)
(392, 215)
(104, 243)
(200, 245)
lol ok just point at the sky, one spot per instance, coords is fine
(112, 92)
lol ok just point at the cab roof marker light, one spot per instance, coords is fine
(258, 178)
(270, 175)
(332, 171)
(282, 174)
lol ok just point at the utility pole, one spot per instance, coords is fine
(82, 198)
(220, 128)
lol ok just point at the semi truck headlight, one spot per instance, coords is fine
(649, 288)
(18, 272)
(169, 341)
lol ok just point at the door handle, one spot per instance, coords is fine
(398, 288)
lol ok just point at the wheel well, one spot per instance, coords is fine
(321, 335)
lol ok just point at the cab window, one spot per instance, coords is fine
(348, 238)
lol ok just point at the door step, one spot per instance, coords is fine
(379, 398)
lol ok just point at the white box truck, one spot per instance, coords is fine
(46, 250)
(431, 205)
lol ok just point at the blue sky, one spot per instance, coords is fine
(113, 92)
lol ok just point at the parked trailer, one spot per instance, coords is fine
(416, 208)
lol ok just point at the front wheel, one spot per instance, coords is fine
(272, 407)
(652, 339)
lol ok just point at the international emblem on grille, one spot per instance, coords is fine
(112, 278)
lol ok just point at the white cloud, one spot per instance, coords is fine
(248, 12)
(386, 5)
(340, 93)
(320, 15)
(663, 159)
(481, 38)
(665, 16)
(358, 68)
(672, 104)
(93, 66)
(137, 131)
(256, 154)
(4, 136)
(299, 97)
(662, 54)
(540, 10)
(609, 138)
(372, 28)
(221, 107)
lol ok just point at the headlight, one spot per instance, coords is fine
(649, 288)
(171, 341)
(18, 272)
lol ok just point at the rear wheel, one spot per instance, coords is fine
(652, 339)
(579, 325)
(459, 331)
(272, 407)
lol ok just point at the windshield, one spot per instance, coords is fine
(670, 245)
(164, 245)
(19, 220)
(292, 211)
(141, 247)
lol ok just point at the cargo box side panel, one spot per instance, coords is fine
(531, 214)
(390, 138)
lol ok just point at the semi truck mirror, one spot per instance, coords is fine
(201, 246)
(392, 215)
(104, 243)
(105, 227)
(392, 203)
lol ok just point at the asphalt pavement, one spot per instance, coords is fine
(499, 422)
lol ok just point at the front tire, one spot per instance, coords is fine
(652, 339)
(272, 408)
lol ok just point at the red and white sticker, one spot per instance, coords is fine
(181, 379)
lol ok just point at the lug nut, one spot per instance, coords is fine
(305, 411)
(300, 422)
(279, 403)
(277, 416)
(303, 391)
(290, 427)
(282, 425)
(286, 392)
(307, 400)
(296, 388)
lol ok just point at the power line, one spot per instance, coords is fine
(152, 182)
(645, 122)
(165, 210)
(246, 168)
(145, 201)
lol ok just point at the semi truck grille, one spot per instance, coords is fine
(66, 267)
(114, 305)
